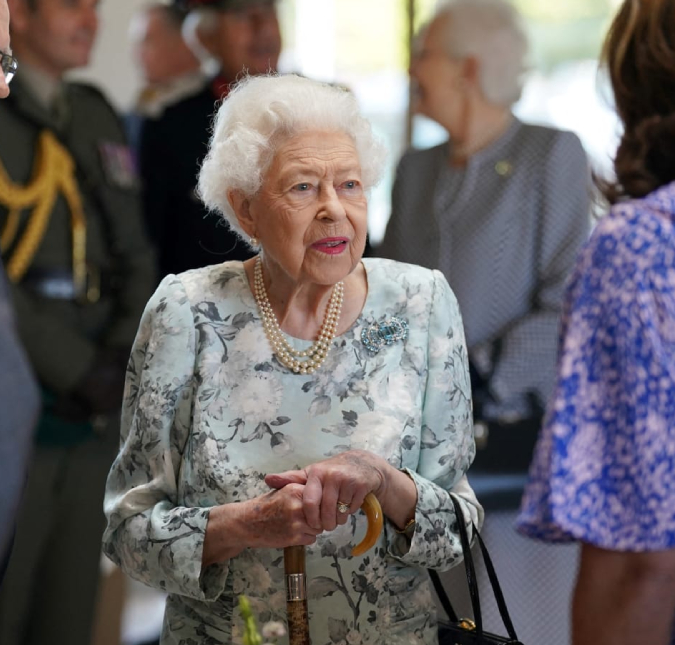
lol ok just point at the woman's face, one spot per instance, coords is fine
(310, 215)
(438, 83)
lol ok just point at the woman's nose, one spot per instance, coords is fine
(331, 205)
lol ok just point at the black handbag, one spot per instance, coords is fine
(463, 631)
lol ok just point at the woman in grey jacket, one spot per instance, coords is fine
(501, 208)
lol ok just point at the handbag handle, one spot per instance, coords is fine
(471, 579)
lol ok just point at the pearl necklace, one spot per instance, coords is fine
(309, 360)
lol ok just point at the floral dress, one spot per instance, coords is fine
(604, 468)
(208, 412)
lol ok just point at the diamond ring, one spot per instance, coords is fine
(342, 507)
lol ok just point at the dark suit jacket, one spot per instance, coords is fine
(172, 148)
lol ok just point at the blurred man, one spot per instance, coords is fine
(240, 35)
(81, 272)
(18, 394)
(169, 67)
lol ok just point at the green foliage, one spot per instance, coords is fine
(270, 632)
(251, 634)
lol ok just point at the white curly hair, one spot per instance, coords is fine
(492, 31)
(260, 113)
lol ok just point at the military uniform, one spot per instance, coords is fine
(73, 244)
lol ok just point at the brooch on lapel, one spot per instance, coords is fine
(384, 333)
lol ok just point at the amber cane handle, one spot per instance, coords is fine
(371, 507)
(296, 595)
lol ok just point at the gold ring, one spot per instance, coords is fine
(342, 507)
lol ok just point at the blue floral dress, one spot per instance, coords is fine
(604, 468)
(208, 412)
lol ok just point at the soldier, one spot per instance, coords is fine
(73, 247)
(239, 34)
(18, 395)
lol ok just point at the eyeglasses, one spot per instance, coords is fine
(9, 65)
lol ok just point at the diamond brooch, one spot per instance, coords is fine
(384, 333)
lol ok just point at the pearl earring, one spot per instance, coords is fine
(253, 241)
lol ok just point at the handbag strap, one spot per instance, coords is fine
(442, 596)
(468, 564)
(471, 579)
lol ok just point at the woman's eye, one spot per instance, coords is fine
(302, 187)
(351, 184)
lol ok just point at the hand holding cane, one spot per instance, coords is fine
(296, 581)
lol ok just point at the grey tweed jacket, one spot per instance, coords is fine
(505, 231)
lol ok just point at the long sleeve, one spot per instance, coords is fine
(149, 534)
(603, 467)
(528, 344)
(447, 445)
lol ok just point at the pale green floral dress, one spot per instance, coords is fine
(208, 412)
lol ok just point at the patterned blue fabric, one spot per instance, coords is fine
(604, 468)
(208, 412)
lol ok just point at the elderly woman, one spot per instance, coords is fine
(266, 399)
(501, 209)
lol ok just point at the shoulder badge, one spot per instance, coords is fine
(118, 164)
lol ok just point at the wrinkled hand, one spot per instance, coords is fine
(277, 519)
(274, 520)
(347, 477)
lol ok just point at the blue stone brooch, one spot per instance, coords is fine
(384, 333)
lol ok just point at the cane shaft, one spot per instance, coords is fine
(298, 622)
(296, 595)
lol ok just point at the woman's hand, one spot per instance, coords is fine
(348, 478)
(273, 520)
(277, 519)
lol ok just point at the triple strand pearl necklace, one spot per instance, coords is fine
(309, 360)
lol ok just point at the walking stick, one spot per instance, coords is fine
(296, 581)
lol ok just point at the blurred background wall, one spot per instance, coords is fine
(365, 44)
(112, 68)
